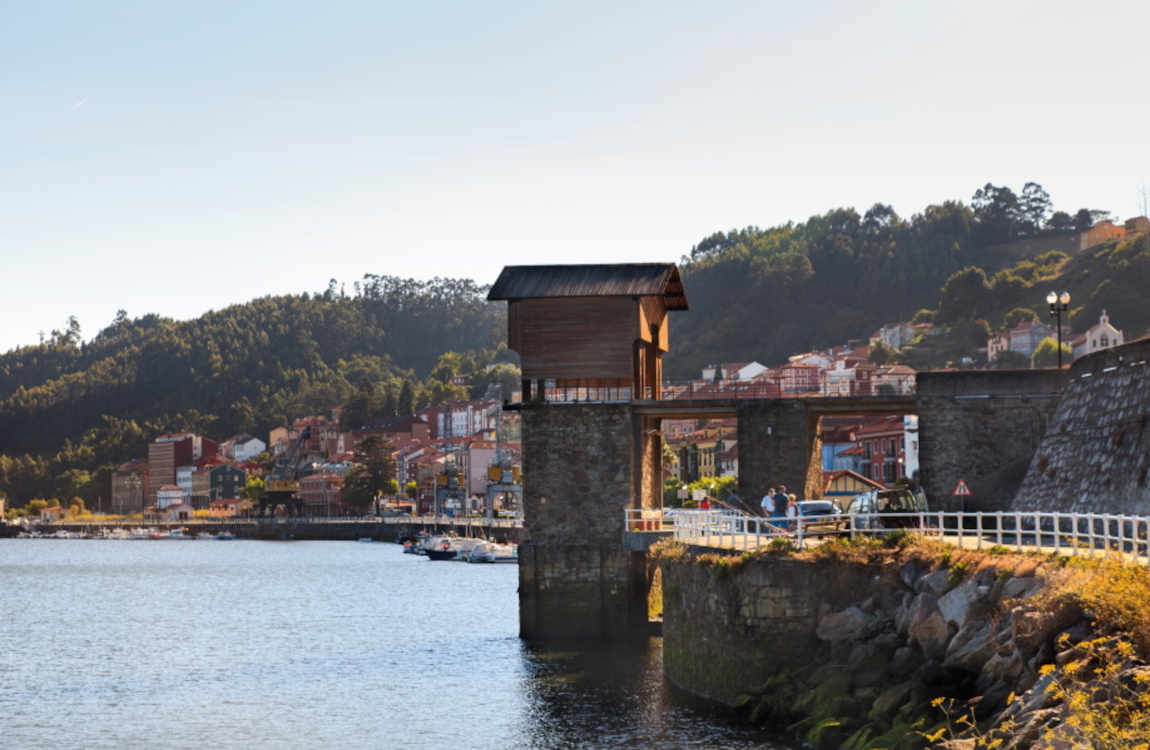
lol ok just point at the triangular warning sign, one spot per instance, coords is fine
(962, 489)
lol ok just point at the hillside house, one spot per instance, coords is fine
(1026, 336)
(1099, 233)
(896, 380)
(894, 335)
(1101, 335)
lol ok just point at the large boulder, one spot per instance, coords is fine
(927, 629)
(971, 647)
(848, 625)
(955, 604)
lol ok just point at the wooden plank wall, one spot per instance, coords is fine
(574, 337)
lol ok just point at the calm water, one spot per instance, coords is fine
(221, 644)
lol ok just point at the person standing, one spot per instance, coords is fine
(768, 503)
(792, 512)
(780, 506)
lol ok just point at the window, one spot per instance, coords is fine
(1105, 341)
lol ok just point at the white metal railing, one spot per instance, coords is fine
(1064, 533)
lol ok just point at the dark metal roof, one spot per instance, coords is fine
(595, 280)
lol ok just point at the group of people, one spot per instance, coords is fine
(777, 504)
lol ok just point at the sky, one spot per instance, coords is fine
(175, 158)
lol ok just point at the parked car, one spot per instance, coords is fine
(887, 509)
(820, 516)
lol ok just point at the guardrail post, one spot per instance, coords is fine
(1090, 518)
(998, 527)
(1106, 531)
(1056, 522)
(978, 528)
(1018, 531)
(799, 522)
(853, 524)
(960, 525)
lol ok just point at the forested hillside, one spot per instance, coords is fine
(393, 346)
(767, 293)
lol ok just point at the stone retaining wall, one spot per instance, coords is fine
(1095, 456)
(865, 645)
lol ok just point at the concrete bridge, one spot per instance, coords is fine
(585, 464)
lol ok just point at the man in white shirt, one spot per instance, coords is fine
(768, 502)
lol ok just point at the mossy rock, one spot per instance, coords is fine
(889, 701)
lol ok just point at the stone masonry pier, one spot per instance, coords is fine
(585, 464)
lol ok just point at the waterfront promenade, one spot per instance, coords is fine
(379, 528)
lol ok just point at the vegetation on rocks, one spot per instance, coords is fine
(963, 648)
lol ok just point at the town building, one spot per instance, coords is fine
(129, 487)
(216, 479)
(1101, 335)
(166, 453)
(844, 484)
(168, 495)
(322, 495)
(1027, 335)
(996, 344)
(243, 447)
(883, 452)
(896, 380)
(229, 507)
(894, 335)
(1099, 233)
(731, 371)
(796, 377)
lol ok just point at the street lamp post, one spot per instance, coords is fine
(1059, 303)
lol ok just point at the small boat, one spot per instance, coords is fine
(450, 547)
(224, 535)
(491, 552)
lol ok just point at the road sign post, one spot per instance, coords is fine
(961, 490)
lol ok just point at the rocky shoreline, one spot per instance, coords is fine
(901, 647)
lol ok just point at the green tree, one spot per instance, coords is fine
(411, 489)
(965, 295)
(254, 488)
(372, 474)
(1034, 206)
(1046, 355)
(406, 403)
(881, 354)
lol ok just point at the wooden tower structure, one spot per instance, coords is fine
(599, 331)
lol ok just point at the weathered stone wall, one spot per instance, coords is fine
(724, 635)
(865, 644)
(778, 444)
(982, 426)
(580, 474)
(1095, 455)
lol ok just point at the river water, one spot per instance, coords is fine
(222, 644)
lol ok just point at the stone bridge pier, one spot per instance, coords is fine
(585, 465)
(581, 467)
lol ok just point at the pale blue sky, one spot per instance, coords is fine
(180, 157)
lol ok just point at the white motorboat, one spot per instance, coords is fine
(492, 552)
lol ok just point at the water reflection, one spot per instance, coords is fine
(309, 645)
(616, 696)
